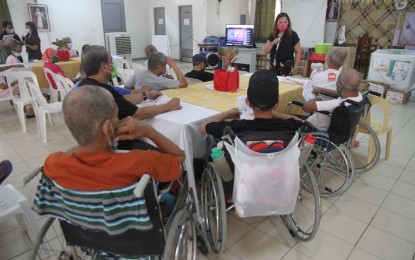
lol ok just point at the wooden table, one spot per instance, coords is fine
(70, 67)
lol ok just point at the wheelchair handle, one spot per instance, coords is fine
(30, 175)
(329, 95)
(374, 93)
(297, 103)
(355, 103)
(142, 184)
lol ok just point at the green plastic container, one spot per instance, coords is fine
(321, 48)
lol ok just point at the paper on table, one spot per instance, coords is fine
(246, 112)
(210, 86)
(158, 101)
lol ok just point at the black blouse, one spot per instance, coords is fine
(286, 48)
(33, 40)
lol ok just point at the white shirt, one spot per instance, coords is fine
(147, 78)
(326, 79)
(322, 121)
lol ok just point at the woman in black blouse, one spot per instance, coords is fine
(32, 42)
(282, 43)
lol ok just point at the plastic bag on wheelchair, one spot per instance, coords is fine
(265, 184)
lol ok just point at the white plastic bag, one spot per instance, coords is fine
(265, 184)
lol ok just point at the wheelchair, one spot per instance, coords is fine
(334, 156)
(94, 226)
(302, 223)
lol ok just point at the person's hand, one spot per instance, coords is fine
(168, 76)
(294, 71)
(317, 90)
(145, 88)
(294, 117)
(130, 129)
(276, 41)
(232, 113)
(153, 94)
(170, 61)
(173, 104)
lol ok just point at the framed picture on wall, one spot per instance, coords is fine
(39, 15)
(333, 10)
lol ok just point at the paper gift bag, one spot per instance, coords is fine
(226, 81)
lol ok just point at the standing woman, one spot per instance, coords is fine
(286, 40)
(32, 42)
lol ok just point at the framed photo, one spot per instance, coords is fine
(333, 10)
(39, 15)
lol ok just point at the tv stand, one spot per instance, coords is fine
(246, 59)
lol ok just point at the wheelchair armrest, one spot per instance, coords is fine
(142, 184)
(297, 103)
(30, 175)
(328, 95)
(374, 93)
(307, 125)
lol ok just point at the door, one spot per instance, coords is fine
(159, 21)
(186, 33)
(113, 15)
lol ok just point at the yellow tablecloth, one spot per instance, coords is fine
(70, 67)
(198, 94)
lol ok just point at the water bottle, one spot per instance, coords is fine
(305, 148)
(221, 164)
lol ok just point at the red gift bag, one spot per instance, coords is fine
(226, 81)
(63, 55)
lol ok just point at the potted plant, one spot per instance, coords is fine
(62, 53)
(227, 56)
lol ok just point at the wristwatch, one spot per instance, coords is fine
(144, 95)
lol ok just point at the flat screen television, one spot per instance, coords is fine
(240, 35)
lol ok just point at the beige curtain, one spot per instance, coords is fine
(264, 19)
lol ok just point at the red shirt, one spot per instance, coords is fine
(105, 170)
(55, 69)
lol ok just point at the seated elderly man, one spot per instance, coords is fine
(348, 88)
(69, 47)
(91, 115)
(325, 81)
(151, 77)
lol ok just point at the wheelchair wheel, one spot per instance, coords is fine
(181, 238)
(43, 249)
(303, 223)
(364, 148)
(213, 209)
(332, 166)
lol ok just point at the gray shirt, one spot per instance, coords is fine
(147, 78)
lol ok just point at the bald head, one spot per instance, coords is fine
(85, 109)
(337, 56)
(349, 80)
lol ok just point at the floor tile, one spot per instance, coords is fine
(295, 255)
(355, 208)
(258, 245)
(377, 180)
(342, 226)
(400, 205)
(13, 244)
(404, 189)
(385, 245)
(363, 191)
(236, 229)
(387, 170)
(325, 246)
(395, 224)
(359, 254)
(408, 176)
(274, 227)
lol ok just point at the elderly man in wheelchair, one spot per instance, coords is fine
(271, 143)
(96, 191)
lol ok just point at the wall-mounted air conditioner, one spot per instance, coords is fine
(119, 44)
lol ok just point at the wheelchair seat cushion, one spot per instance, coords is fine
(113, 211)
(266, 146)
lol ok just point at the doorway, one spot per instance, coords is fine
(186, 33)
(159, 21)
(113, 15)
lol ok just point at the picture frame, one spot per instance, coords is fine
(38, 14)
(333, 10)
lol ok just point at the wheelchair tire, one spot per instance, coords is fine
(303, 223)
(332, 166)
(359, 146)
(213, 209)
(181, 238)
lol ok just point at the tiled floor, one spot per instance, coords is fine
(375, 219)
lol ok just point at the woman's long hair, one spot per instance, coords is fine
(275, 30)
(32, 28)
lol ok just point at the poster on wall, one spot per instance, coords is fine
(333, 10)
(408, 29)
(39, 15)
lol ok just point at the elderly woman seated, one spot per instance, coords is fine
(91, 115)
(69, 45)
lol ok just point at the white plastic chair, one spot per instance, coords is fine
(54, 93)
(24, 97)
(64, 84)
(125, 74)
(15, 204)
(42, 107)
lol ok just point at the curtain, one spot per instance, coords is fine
(264, 19)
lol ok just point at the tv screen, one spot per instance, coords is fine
(240, 35)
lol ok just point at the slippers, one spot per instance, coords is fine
(6, 168)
